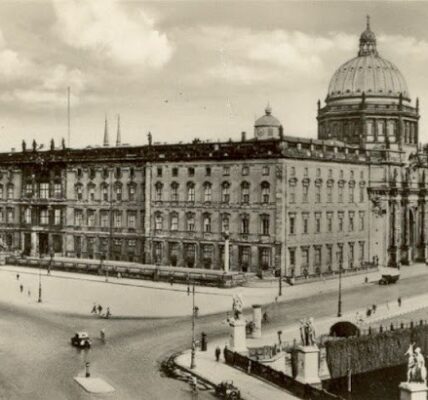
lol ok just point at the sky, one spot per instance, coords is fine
(187, 69)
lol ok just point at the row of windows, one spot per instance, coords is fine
(104, 242)
(7, 215)
(105, 173)
(245, 170)
(8, 192)
(330, 175)
(43, 190)
(207, 226)
(43, 216)
(104, 218)
(208, 191)
(104, 195)
(318, 222)
(330, 195)
(330, 257)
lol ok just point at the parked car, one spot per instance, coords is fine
(227, 391)
(81, 340)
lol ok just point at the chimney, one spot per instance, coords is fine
(243, 136)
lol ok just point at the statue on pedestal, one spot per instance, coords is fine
(416, 370)
(237, 306)
(307, 332)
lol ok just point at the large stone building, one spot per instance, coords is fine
(305, 206)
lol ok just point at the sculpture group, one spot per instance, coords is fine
(307, 332)
(416, 370)
(237, 306)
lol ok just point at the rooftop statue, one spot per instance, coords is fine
(307, 332)
(416, 370)
(237, 306)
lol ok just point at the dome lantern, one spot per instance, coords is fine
(367, 41)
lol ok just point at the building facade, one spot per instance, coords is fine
(358, 193)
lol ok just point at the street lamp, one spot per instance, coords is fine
(339, 300)
(40, 280)
(280, 283)
(192, 355)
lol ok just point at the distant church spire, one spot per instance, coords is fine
(118, 136)
(106, 140)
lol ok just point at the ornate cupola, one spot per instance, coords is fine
(368, 102)
(268, 126)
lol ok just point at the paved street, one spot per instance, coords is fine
(40, 364)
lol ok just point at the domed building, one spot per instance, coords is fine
(368, 102)
(267, 126)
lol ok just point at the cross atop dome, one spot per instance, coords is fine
(268, 109)
(367, 41)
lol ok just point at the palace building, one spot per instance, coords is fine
(303, 206)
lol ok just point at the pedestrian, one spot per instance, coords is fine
(94, 309)
(103, 335)
(17, 277)
(265, 317)
(108, 313)
(188, 290)
(196, 311)
(171, 280)
(399, 302)
(100, 309)
(224, 352)
(374, 308)
(21, 287)
(217, 353)
(368, 312)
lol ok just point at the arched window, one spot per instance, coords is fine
(174, 221)
(207, 191)
(190, 222)
(225, 221)
(245, 192)
(265, 192)
(245, 224)
(132, 190)
(265, 224)
(225, 192)
(104, 191)
(118, 191)
(158, 221)
(207, 223)
(117, 173)
(191, 192)
(78, 189)
(91, 192)
(174, 191)
(158, 191)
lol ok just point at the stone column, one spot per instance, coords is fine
(238, 339)
(413, 391)
(257, 320)
(226, 255)
(308, 365)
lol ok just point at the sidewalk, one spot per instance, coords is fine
(250, 386)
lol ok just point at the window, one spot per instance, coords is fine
(306, 172)
(245, 192)
(175, 172)
(28, 190)
(27, 215)
(207, 223)
(91, 192)
(340, 217)
(104, 219)
(158, 191)
(132, 189)
(362, 175)
(351, 254)
(361, 220)
(305, 194)
(78, 217)
(10, 191)
(292, 171)
(118, 191)
(91, 218)
(317, 222)
(225, 195)
(174, 191)
(305, 223)
(79, 172)
(190, 222)
(132, 172)
(351, 194)
(132, 220)
(330, 173)
(305, 258)
(317, 257)
(104, 192)
(191, 171)
(265, 192)
(361, 194)
(174, 222)
(361, 256)
(159, 172)
(329, 222)
(329, 255)
(79, 192)
(318, 172)
(292, 254)
(191, 192)
(329, 194)
(91, 173)
(340, 200)
(265, 225)
(318, 194)
(57, 216)
(132, 242)
(245, 224)
(225, 223)
(207, 171)
(105, 173)
(44, 191)
(351, 175)
(245, 170)
(265, 170)
(292, 223)
(341, 174)
(1, 192)
(207, 191)
(351, 221)
(10, 216)
(265, 257)
(226, 171)
(292, 194)
(118, 219)
(2, 215)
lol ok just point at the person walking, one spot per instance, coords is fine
(217, 353)
(224, 352)
(108, 313)
(21, 287)
(17, 277)
(100, 309)
(196, 311)
(399, 302)
(94, 309)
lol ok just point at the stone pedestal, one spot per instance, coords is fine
(238, 339)
(308, 365)
(257, 320)
(413, 391)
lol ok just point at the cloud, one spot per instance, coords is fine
(108, 32)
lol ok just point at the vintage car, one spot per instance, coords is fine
(389, 275)
(81, 340)
(227, 391)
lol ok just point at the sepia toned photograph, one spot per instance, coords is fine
(213, 199)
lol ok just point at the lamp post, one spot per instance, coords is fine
(40, 280)
(280, 283)
(339, 300)
(192, 355)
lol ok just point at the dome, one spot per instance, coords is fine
(368, 73)
(268, 119)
